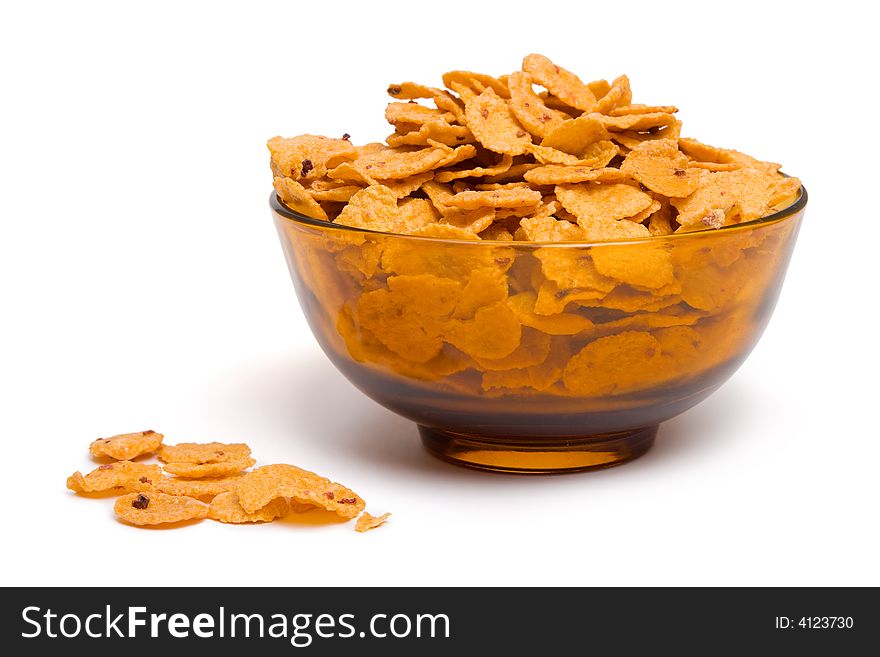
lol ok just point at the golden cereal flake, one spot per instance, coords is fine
(573, 269)
(435, 130)
(123, 476)
(503, 165)
(394, 164)
(442, 99)
(297, 198)
(516, 197)
(494, 332)
(514, 173)
(660, 222)
(372, 208)
(556, 174)
(533, 348)
(712, 154)
(646, 213)
(126, 446)
(599, 88)
(439, 193)
(636, 122)
(637, 108)
(523, 305)
(406, 186)
(629, 299)
(709, 288)
(548, 208)
(662, 168)
(714, 166)
(592, 203)
(227, 508)
(449, 231)
(630, 139)
(459, 154)
(206, 488)
(413, 113)
(474, 221)
(259, 487)
(563, 84)
(486, 286)
(308, 157)
(610, 231)
(730, 197)
(538, 378)
(447, 261)
(497, 232)
(415, 213)
(529, 108)
(574, 135)
(619, 95)
(351, 173)
(410, 315)
(611, 364)
(679, 342)
(551, 300)
(201, 470)
(476, 82)
(367, 522)
(213, 452)
(152, 508)
(493, 124)
(594, 156)
(341, 193)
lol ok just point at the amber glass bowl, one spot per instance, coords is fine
(538, 358)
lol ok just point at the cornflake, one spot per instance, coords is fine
(150, 508)
(367, 521)
(123, 476)
(127, 446)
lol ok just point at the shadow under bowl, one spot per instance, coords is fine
(538, 357)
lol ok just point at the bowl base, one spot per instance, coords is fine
(538, 455)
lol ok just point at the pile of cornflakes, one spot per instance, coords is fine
(534, 287)
(211, 480)
(492, 158)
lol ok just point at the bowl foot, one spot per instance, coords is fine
(538, 455)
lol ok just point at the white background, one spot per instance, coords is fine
(143, 286)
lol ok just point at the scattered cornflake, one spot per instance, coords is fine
(366, 521)
(205, 488)
(127, 446)
(213, 452)
(262, 485)
(124, 476)
(222, 491)
(226, 508)
(151, 508)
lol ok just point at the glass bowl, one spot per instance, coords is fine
(538, 357)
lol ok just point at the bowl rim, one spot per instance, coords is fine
(780, 215)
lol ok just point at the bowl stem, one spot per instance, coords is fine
(540, 455)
